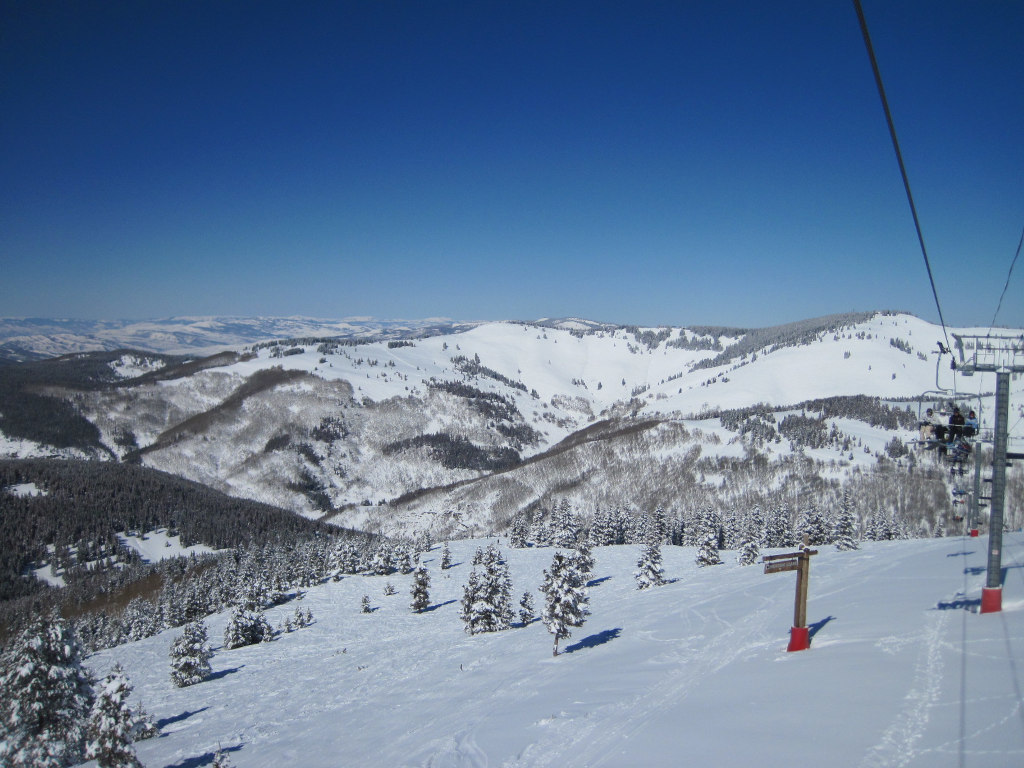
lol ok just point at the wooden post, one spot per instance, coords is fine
(799, 636)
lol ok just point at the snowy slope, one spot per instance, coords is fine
(902, 672)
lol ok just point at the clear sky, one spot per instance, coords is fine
(683, 162)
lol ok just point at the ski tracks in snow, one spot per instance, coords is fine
(590, 739)
(898, 743)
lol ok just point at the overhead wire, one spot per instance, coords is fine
(1007, 285)
(899, 159)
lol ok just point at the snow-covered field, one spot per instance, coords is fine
(902, 671)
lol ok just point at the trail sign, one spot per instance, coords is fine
(776, 565)
(799, 637)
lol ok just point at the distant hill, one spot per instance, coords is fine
(457, 430)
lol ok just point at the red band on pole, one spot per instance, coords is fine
(991, 599)
(799, 639)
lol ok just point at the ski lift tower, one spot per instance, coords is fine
(1003, 356)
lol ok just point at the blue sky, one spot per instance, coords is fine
(644, 162)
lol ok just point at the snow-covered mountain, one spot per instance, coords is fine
(38, 338)
(457, 432)
(902, 671)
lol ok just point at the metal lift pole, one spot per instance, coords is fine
(992, 594)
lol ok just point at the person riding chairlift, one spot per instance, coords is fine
(971, 425)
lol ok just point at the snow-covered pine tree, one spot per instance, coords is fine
(365, 604)
(389, 589)
(812, 526)
(748, 544)
(47, 696)
(420, 589)
(487, 596)
(109, 732)
(707, 550)
(565, 598)
(844, 533)
(221, 759)
(526, 609)
(649, 572)
(519, 532)
(567, 526)
(190, 656)
(584, 559)
(402, 559)
(446, 558)
(778, 531)
(246, 628)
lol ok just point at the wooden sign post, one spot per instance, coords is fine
(799, 636)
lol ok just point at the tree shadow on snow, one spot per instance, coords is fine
(164, 722)
(960, 554)
(595, 640)
(816, 627)
(595, 582)
(430, 608)
(224, 673)
(201, 760)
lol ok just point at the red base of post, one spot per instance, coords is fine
(799, 639)
(974, 533)
(991, 599)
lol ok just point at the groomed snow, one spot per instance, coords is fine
(902, 671)
(157, 545)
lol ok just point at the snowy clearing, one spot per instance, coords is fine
(902, 671)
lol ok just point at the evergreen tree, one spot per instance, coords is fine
(420, 587)
(749, 548)
(246, 628)
(487, 596)
(109, 732)
(813, 527)
(446, 558)
(568, 528)
(649, 573)
(584, 559)
(47, 696)
(844, 532)
(526, 609)
(707, 551)
(565, 598)
(778, 531)
(518, 532)
(190, 656)
(365, 604)
(221, 760)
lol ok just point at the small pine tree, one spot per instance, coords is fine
(221, 760)
(365, 604)
(446, 558)
(749, 546)
(526, 609)
(487, 596)
(420, 589)
(584, 558)
(190, 656)
(649, 573)
(565, 598)
(109, 733)
(844, 533)
(246, 628)
(389, 589)
(707, 551)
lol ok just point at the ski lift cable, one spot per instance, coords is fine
(899, 159)
(1008, 275)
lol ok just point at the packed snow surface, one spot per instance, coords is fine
(157, 545)
(903, 671)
